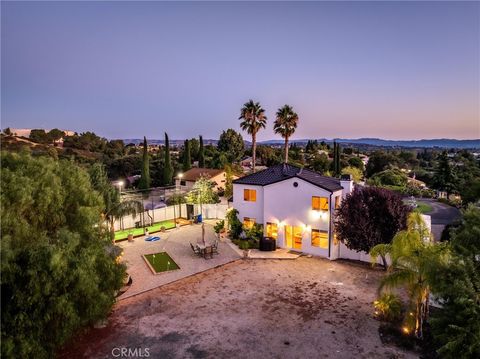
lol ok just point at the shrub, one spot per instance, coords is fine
(235, 227)
(219, 226)
(391, 177)
(388, 307)
(255, 232)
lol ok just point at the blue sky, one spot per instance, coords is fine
(395, 70)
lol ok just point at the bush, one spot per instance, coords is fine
(388, 307)
(235, 227)
(391, 177)
(255, 232)
(219, 226)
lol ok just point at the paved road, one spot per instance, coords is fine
(441, 214)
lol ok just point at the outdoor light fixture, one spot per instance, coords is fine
(120, 185)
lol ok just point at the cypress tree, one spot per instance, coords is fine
(335, 169)
(201, 155)
(167, 169)
(186, 156)
(337, 158)
(144, 182)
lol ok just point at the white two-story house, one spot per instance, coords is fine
(295, 205)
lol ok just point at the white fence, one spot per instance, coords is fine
(346, 253)
(208, 211)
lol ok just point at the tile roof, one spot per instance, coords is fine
(284, 171)
(194, 174)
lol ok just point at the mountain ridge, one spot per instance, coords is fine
(368, 141)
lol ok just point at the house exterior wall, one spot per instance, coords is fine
(188, 185)
(284, 204)
(219, 181)
(292, 206)
(246, 208)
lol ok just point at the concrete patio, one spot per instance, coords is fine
(176, 243)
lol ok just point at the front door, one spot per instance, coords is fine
(293, 237)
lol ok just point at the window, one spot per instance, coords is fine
(250, 195)
(248, 222)
(337, 202)
(320, 238)
(272, 230)
(182, 183)
(320, 203)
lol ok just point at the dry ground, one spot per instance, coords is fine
(304, 308)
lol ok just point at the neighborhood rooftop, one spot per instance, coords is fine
(284, 171)
(194, 174)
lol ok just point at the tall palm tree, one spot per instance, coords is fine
(253, 119)
(285, 125)
(413, 257)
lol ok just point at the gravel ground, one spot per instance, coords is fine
(304, 308)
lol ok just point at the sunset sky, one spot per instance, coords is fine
(123, 70)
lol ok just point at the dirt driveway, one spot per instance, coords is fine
(304, 308)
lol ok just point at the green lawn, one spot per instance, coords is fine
(121, 235)
(161, 262)
(423, 207)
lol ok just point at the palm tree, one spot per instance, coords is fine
(413, 256)
(122, 209)
(285, 125)
(253, 116)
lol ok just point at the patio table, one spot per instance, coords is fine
(205, 249)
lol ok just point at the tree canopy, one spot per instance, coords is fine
(231, 143)
(58, 270)
(370, 216)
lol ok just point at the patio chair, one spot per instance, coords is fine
(208, 251)
(215, 247)
(196, 250)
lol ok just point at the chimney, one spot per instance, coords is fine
(347, 183)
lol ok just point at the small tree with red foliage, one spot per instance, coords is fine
(370, 216)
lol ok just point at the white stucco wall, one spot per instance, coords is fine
(246, 208)
(284, 204)
(289, 205)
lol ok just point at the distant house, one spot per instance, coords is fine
(416, 183)
(186, 180)
(247, 162)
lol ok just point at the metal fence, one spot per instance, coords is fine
(152, 216)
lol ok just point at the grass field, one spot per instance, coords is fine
(161, 262)
(121, 235)
(423, 207)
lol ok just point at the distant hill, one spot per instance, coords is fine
(440, 143)
(376, 142)
(138, 141)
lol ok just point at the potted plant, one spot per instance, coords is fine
(130, 237)
(244, 245)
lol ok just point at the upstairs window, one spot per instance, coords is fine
(250, 195)
(320, 203)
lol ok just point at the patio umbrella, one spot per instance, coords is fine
(203, 234)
